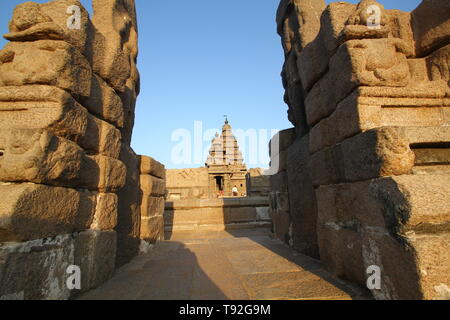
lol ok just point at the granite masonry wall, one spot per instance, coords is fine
(69, 179)
(367, 174)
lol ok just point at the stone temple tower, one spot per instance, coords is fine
(226, 168)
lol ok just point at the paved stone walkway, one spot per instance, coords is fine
(244, 264)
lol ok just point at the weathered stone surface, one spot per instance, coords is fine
(406, 203)
(278, 182)
(258, 184)
(36, 270)
(341, 22)
(431, 22)
(414, 93)
(299, 22)
(186, 193)
(302, 198)
(48, 21)
(362, 24)
(374, 153)
(32, 22)
(369, 62)
(191, 219)
(27, 15)
(377, 223)
(357, 31)
(109, 139)
(65, 67)
(279, 207)
(278, 162)
(104, 102)
(67, 99)
(213, 203)
(400, 27)
(116, 59)
(129, 211)
(282, 201)
(152, 167)
(152, 228)
(112, 175)
(362, 14)
(290, 71)
(432, 156)
(411, 269)
(43, 30)
(433, 253)
(31, 211)
(129, 102)
(112, 52)
(431, 169)
(295, 99)
(95, 254)
(152, 186)
(341, 251)
(115, 54)
(375, 103)
(437, 65)
(191, 177)
(278, 147)
(263, 214)
(187, 183)
(315, 58)
(38, 156)
(356, 114)
(45, 107)
(343, 123)
(214, 214)
(105, 212)
(427, 203)
(281, 141)
(400, 278)
(238, 215)
(282, 228)
(152, 206)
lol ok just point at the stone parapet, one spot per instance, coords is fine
(216, 214)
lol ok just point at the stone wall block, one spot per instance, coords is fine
(31, 211)
(65, 67)
(152, 206)
(152, 167)
(152, 228)
(95, 254)
(152, 186)
(105, 212)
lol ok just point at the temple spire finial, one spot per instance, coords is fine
(226, 119)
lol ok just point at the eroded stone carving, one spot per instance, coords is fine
(67, 99)
(375, 102)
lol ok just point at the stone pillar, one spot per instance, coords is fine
(67, 100)
(370, 107)
(279, 209)
(153, 190)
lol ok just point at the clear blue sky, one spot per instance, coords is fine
(200, 60)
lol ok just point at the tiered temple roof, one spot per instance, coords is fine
(224, 149)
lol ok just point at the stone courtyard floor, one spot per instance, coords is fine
(236, 265)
